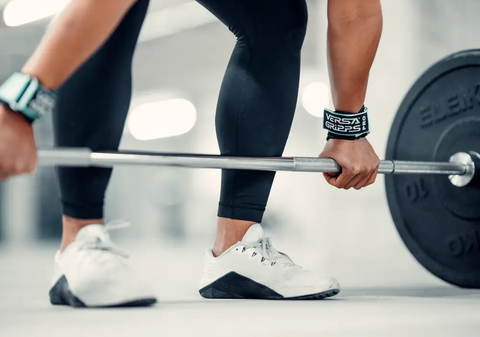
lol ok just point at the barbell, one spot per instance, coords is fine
(432, 158)
(461, 167)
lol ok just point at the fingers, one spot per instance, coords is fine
(345, 179)
(330, 179)
(356, 181)
(357, 159)
(364, 181)
(357, 177)
(17, 168)
(372, 178)
(339, 182)
(367, 179)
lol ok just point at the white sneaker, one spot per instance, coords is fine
(92, 272)
(253, 269)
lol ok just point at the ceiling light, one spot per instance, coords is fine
(162, 119)
(315, 98)
(21, 12)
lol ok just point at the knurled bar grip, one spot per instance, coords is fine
(78, 157)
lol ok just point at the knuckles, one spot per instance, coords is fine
(360, 169)
(17, 168)
(31, 167)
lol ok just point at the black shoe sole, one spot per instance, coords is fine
(60, 294)
(236, 286)
(318, 296)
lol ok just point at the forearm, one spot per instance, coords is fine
(73, 37)
(354, 31)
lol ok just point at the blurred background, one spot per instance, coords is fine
(178, 68)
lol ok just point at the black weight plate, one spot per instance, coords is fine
(439, 223)
(462, 136)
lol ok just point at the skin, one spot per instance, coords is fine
(354, 30)
(72, 38)
(353, 36)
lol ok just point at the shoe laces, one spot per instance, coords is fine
(265, 248)
(103, 242)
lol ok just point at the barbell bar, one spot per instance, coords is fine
(83, 157)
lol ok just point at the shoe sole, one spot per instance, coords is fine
(61, 294)
(318, 296)
(236, 286)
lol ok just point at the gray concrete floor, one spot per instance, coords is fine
(432, 310)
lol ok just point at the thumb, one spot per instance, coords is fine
(330, 179)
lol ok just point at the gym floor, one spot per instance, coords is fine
(427, 310)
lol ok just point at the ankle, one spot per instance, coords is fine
(72, 226)
(229, 232)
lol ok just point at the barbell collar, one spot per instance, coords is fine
(467, 159)
(78, 157)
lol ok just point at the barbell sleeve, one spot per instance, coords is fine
(80, 157)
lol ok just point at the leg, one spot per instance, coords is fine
(93, 104)
(257, 102)
(91, 110)
(254, 116)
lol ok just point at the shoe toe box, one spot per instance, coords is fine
(309, 283)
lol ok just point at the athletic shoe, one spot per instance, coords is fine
(253, 269)
(92, 272)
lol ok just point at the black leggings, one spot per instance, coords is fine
(254, 113)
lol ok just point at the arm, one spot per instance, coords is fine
(354, 30)
(73, 37)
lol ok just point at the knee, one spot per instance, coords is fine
(295, 24)
(285, 25)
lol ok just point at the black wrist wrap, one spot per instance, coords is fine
(344, 125)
